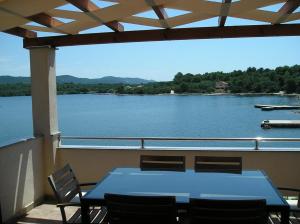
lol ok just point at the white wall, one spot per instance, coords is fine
(283, 167)
(22, 176)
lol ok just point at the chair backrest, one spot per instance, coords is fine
(208, 211)
(64, 184)
(218, 164)
(123, 209)
(168, 163)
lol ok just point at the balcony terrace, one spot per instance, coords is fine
(25, 186)
(24, 166)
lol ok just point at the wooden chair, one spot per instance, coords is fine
(294, 204)
(124, 209)
(168, 163)
(207, 211)
(68, 193)
(218, 164)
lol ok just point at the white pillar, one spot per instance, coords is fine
(44, 108)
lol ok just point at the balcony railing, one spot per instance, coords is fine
(142, 140)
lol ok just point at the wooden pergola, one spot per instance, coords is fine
(47, 24)
(16, 17)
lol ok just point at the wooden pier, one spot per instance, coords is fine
(276, 107)
(267, 124)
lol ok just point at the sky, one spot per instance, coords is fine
(158, 61)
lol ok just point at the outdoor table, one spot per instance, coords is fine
(250, 184)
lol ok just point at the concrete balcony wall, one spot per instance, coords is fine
(22, 176)
(283, 167)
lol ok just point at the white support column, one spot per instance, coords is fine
(44, 108)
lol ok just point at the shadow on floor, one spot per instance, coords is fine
(27, 220)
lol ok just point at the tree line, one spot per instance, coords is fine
(252, 80)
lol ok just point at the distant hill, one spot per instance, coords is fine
(72, 79)
(12, 80)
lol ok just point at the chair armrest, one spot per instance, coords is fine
(288, 189)
(68, 204)
(87, 184)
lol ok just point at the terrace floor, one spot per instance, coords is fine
(50, 214)
(45, 213)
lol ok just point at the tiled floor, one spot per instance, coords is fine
(50, 214)
(46, 213)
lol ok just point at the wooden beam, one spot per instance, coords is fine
(160, 12)
(166, 34)
(84, 5)
(224, 12)
(21, 32)
(162, 15)
(288, 8)
(45, 20)
(88, 7)
(115, 26)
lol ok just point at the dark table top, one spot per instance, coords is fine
(185, 185)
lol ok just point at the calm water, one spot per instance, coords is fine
(151, 116)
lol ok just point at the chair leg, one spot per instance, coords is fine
(296, 215)
(63, 215)
(0, 215)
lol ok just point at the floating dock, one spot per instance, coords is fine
(277, 107)
(266, 124)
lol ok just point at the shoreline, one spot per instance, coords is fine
(202, 94)
(183, 94)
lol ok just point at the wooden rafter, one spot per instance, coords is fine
(18, 31)
(160, 12)
(41, 18)
(48, 21)
(88, 7)
(162, 15)
(84, 5)
(166, 34)
(224, 12)
(45, 20)
(288, 8)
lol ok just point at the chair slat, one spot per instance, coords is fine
(65, 180)
(169, 163)
(162, 158)
(218, 159)
(69, 191)
(96, 216)
(61, 172)
(100, 216)
(76, 217)
(228, 211)
(141, 209)
(218, 164)
(275, 219)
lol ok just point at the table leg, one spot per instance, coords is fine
(285, 216)
(85, 211)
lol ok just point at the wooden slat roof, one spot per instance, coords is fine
(17, 16)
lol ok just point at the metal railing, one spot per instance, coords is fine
(142, 140)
